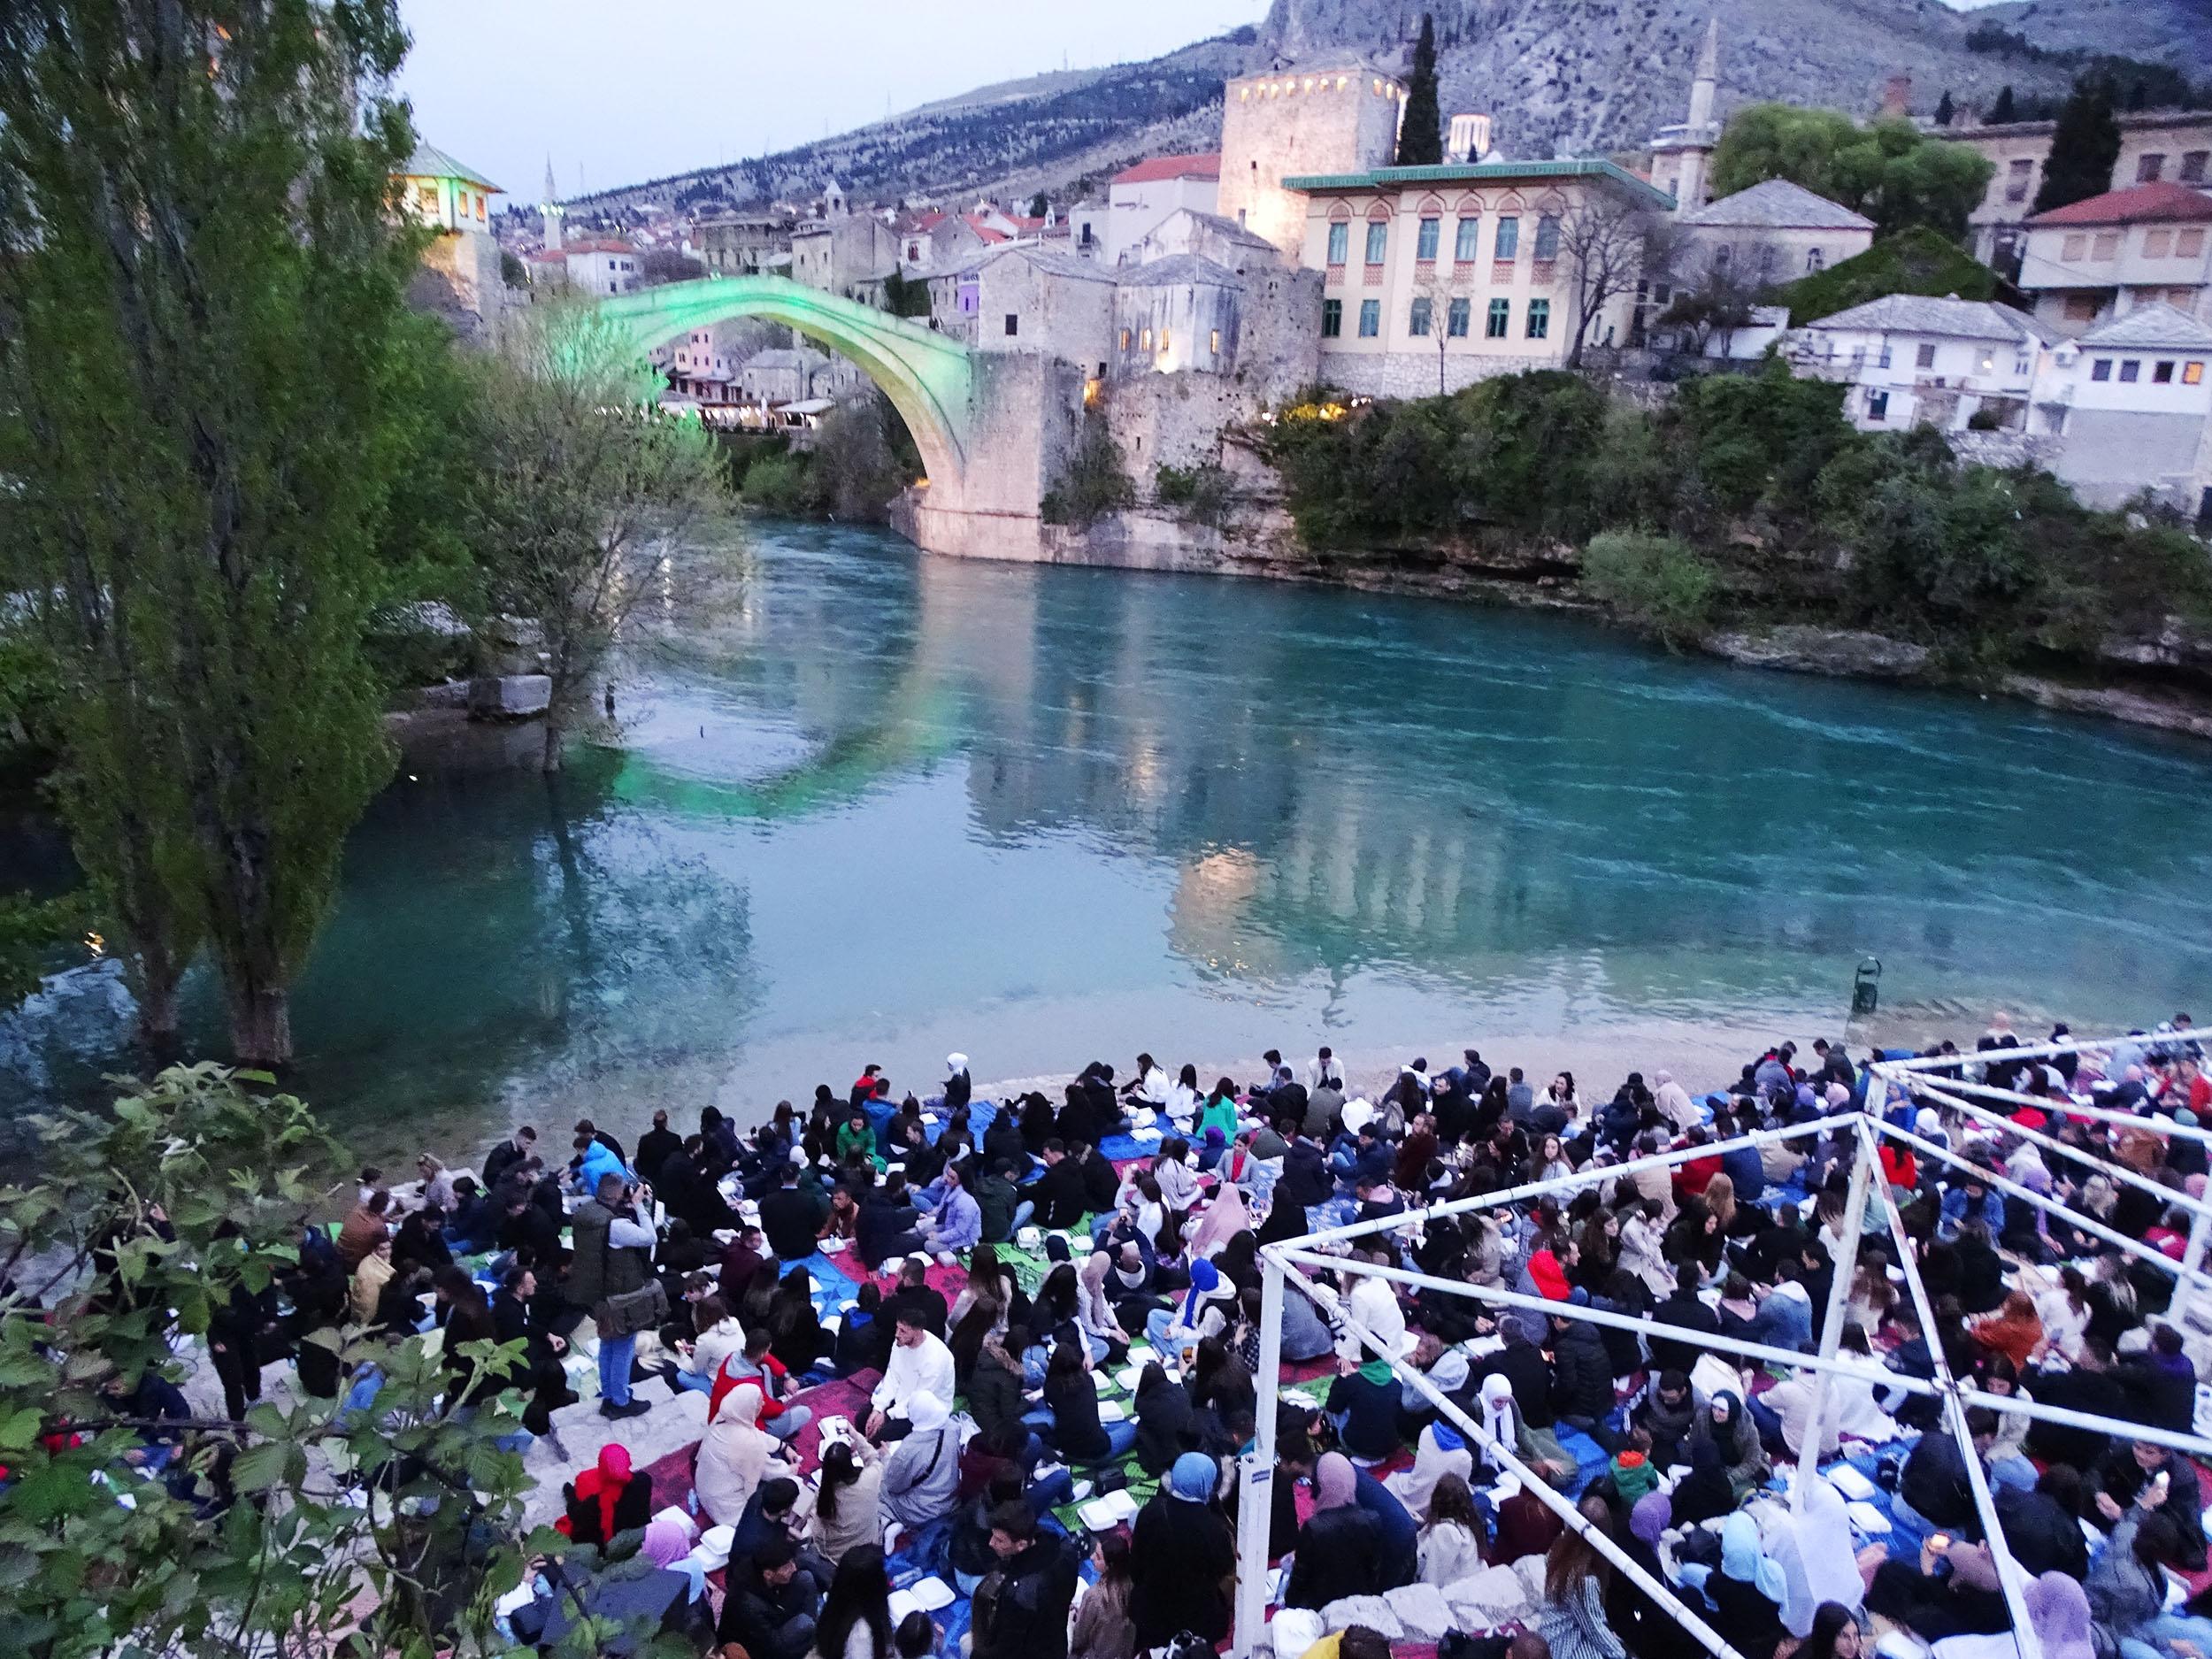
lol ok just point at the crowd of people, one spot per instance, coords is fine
(1008, 1264)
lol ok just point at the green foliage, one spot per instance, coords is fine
(1916, 261)
(1760, 440)
(1038, 205)
(401, 1520)
(782, 484)
(1890, 171)
(857, 463)
(584, 490)
(1092, 483)
(209, 372)
(1205, 492)
(2004, 108)
(905, 297)
(33, 932)
(1421, 129)
(1945, 110)
(2084, 146)
(1655, 580)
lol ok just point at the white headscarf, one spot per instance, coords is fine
(1499, 1421)
(955, 1064)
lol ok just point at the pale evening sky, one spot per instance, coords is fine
(645, 87)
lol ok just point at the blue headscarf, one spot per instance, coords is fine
(1192, 1478)
(1205, 1280)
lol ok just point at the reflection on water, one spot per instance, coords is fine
(888, 806)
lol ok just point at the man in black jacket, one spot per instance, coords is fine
(1101, 1185)
(1021, 1607)
(1582, 1381)
(507, 1154)
(517, 1317)
(1523, 1364)
(1056, 1197)
(653, 1147)
(1688, 1309)
(771, 1608)
(917, 1295)
(791, 1216)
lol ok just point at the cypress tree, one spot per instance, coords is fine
(2084, 146)
(2002, 110)
(1944, 112)
(1421, 134)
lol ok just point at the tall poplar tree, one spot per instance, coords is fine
(204, 378)
(2084, 145)
(1421, 130)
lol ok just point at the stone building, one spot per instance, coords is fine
(459, 277)
(742, 244)
(2102, 258)
(848, 254)
(1436, 277)
(2132, 399)
(784, 375)
(1770, 234)
(1038, 300)
(1334, 113)
(1139, 197)
(1912, 361)
(2156, 146)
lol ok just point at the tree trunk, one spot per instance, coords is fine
(156, 982)
(261, 1025)
(551, 760)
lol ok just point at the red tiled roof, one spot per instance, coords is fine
(2139, 204)
(1191, 167)
(974, 222)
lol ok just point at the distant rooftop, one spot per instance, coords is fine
(1195, 165)
(2151, 325)
(1776, 204)
(1958, 320)
(2138, 204)
(1177, 269)
(1481, 172)
(429, 162)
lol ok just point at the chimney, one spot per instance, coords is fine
(1470, 138)
(1897, 98)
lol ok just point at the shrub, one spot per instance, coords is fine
(782, 484)
(1985, 421)
(1092, 483)
(1652, 580)
(1205, 492)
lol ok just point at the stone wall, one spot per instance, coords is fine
(459, 280)
(2003, 448)
(1172, 420)
(1414, 373)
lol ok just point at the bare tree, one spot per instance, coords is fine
(1606, 244)
(1438, 292)
(1716, 300)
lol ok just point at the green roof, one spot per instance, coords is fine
(1481, 172)
(430, 162)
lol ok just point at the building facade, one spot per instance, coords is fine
(1435, 278)
(1911, 361)
(2159, 146)
(1333, 114)
(1682, 156)
(1139, 197)
(742, 244)
(2101, 258)
(851, 255)
(2133, 399)
(459, 276)
(1770, 234)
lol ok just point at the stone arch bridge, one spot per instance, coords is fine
(990, 427)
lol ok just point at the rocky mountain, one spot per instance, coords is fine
(1558, 76)
(2175, 32)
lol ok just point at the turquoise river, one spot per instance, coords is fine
(887, 806)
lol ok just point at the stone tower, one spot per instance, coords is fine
(1681, 157)
(550, 212)
(1337, 113)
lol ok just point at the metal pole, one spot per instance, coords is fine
(1588, 1315)
(1845, 1269)
(2049, 1206)
(2064, 1107)
(2192, 1269)
(2009, 1573)
(1256, 1472)
(1502, 1456)
(2119, 1172)
(1580, 1177)
(2025, 1051)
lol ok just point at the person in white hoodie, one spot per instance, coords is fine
(921, 1365)
(719, 1336)
(1674, 1103)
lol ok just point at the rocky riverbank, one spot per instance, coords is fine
(2164, 683)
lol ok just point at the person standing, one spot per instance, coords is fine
(1182, 1558)
(613, 1259)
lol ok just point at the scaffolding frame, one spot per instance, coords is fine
(1285, 1266)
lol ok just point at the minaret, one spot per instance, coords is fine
(1681, 156)
(549, 210)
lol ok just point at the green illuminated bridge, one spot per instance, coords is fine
(932, 380)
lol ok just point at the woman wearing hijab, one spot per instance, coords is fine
(733, 1456)
(1674, 1103)
(1224, 1218)
(1728, 1427)
(1339, 1547)
(608, 1499)
(1439, 1453)
(1813, 1546)
(1094, 1312)
(1202, 1312)
(1704, 1493)
(1747, 1591)
(1648, 1631)
(1181, 1558)
(921, 1479)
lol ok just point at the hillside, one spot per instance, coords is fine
(1583, 75)
(2175, 32)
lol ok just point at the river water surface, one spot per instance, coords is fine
(891, 805)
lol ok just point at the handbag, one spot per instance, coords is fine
(634, 1310)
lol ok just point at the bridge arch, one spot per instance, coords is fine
(929, 379)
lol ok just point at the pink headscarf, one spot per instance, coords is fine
(1335, 1482)
(666, 1539)
(1224, 1218)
